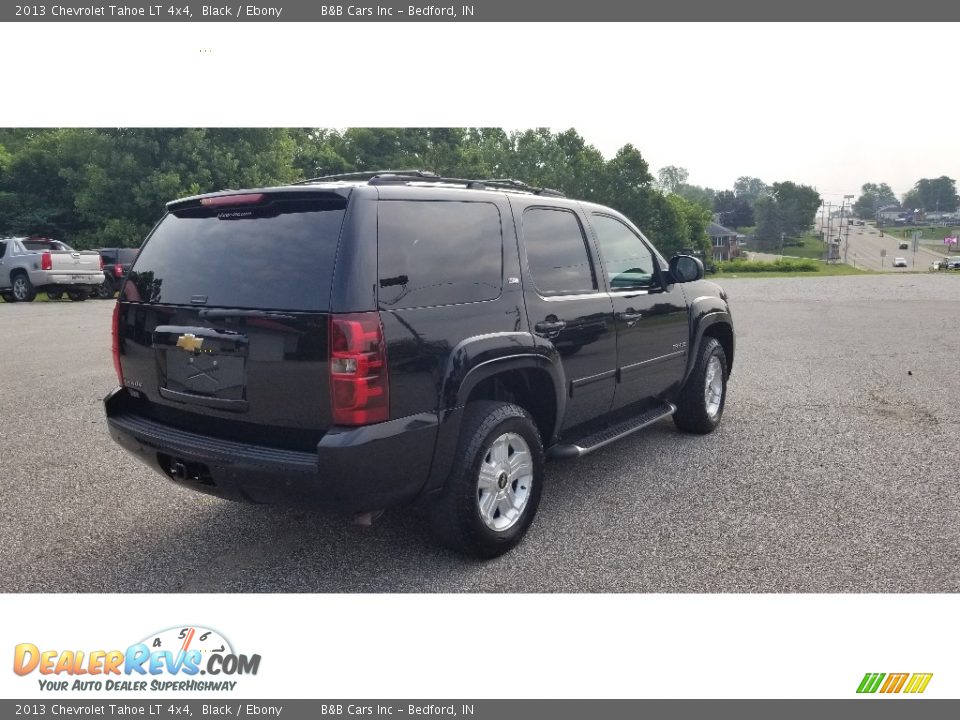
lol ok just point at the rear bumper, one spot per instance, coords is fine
(364, 468)
(44, 278)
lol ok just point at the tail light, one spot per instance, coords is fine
(116, 343)
(359, 385)
(117, 271)
(46, 262)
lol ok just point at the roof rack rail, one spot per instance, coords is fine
(400, 178)
(367, 175)
(521, 185)
(397, 177)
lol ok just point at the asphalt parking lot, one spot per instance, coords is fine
(835, 470)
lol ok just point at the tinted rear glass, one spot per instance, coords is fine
(278, 255)
(557, 251)
(45, 246)
(123, 256)
(438, 253)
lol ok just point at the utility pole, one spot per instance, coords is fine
(846, 242)
(827, 228)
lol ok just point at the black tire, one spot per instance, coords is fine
(21, 288)
(77, 295)
(54, 294)
(7, 296)
(693, 414)
(456, 513)
(106, 289)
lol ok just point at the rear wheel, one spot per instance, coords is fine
(54, 294)
(22, 288)
(493, 491)
(77, 295)
(106, 289)
(701, 402)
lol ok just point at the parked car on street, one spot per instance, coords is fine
(951, 263)
(899, 262)
(116, 265)
(373, 339)
(28, 264)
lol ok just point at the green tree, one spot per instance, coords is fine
(769, 231)
(670, 178)
(872, 198)
(749, 188)
(787, 211)
(107, 187)
(702, 196)
(733, 211)
(933, 195)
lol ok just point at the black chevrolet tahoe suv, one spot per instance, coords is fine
(370, 340)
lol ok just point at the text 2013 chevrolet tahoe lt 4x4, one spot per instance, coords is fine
(371, 341)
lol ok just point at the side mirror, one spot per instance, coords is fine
(686, 268)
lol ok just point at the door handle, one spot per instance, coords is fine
(550, 328)
(630, 316)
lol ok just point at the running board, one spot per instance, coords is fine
(588, 444)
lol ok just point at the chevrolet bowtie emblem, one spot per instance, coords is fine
(190, 342)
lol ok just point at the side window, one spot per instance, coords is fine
(557, 252)
(438, 253)
(628, 263)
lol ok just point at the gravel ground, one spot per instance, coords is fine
(835, 470)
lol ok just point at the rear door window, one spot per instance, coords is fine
(275, 255)
(438, 253)
(557, 252)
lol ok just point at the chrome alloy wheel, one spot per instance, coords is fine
(713, 387)
(20, 288)
(504, 482)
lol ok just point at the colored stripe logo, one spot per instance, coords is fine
(914, 683)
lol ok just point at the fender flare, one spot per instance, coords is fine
(473, 361)
(705, 312)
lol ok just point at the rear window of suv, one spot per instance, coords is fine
(278, 255)
(123, 256)
(45, 245)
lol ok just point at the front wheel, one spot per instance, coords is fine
(77, 295)
(493, 490)
(54, 294)
(701, 401)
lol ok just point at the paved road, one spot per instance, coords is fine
(866, 242)
(835, 470)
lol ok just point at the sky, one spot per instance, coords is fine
(828, 105)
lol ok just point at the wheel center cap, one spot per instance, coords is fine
(502, 480)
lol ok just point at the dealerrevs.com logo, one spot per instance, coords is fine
(172, 659)
(893, 683)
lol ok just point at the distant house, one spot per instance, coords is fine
(724, 242)
(890, 213)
